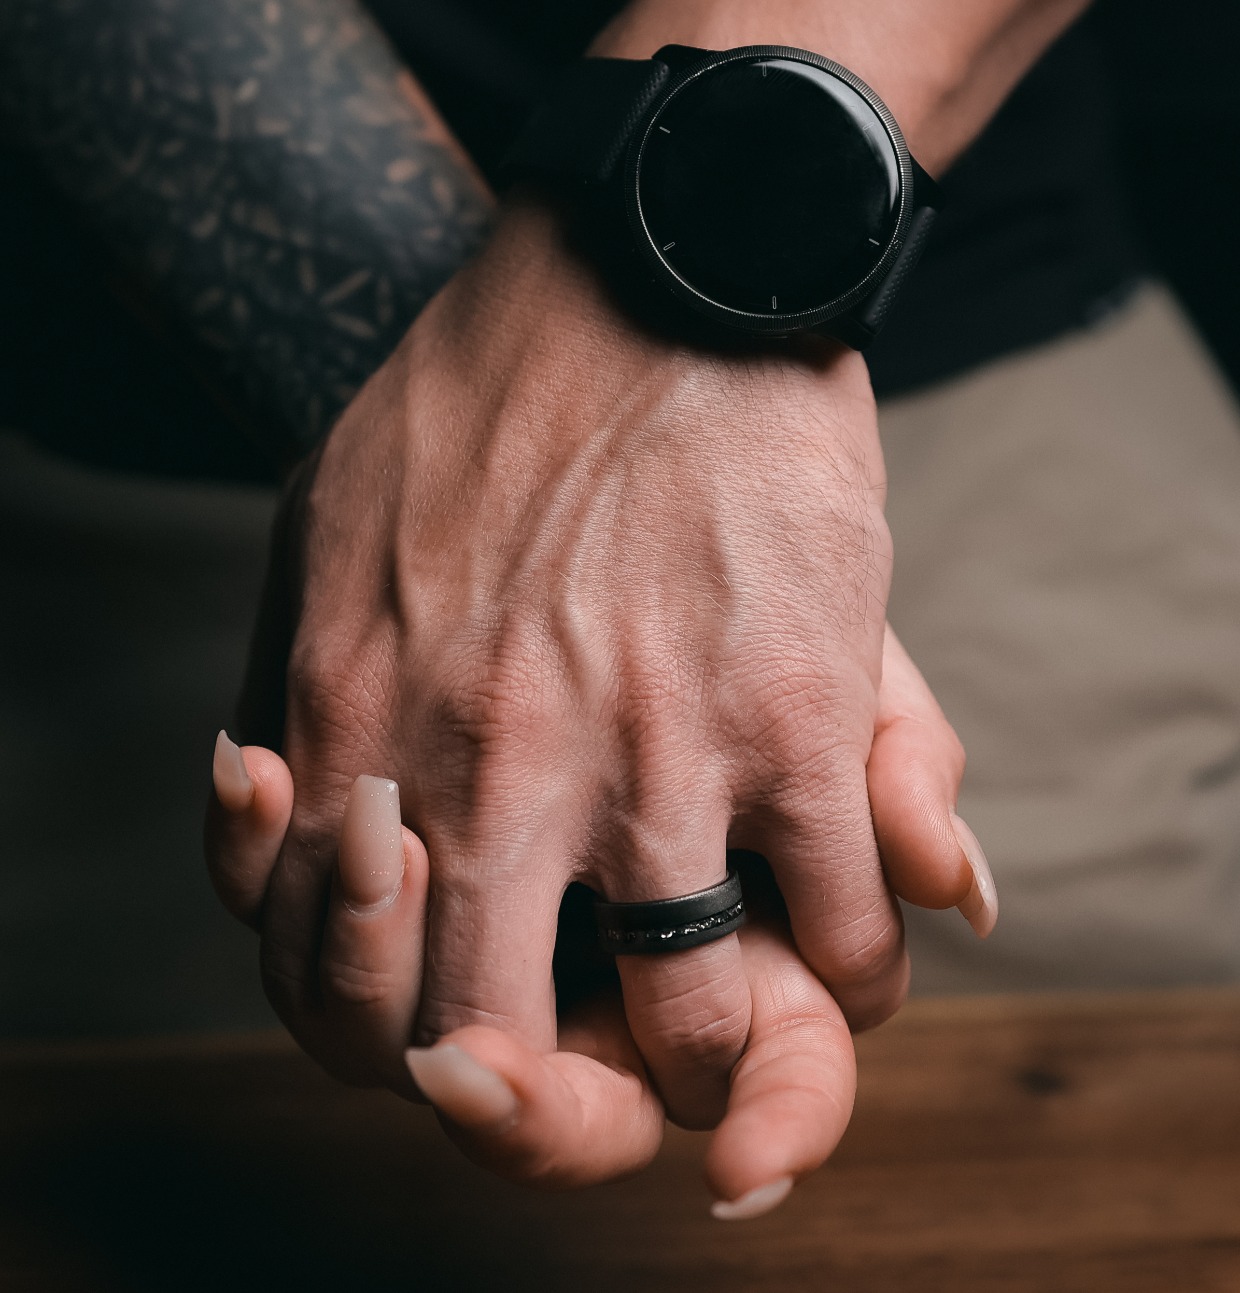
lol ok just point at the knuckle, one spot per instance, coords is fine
(699, 1030)
(284, 979)
(335, 685)
(352, 984)
(655, 835)
(806, 731)
(656, 688)
(449, 1004)
(483, 708)
(817, 795)
(714, 1043)
(871, 951)
(488, 710)
(805, 710)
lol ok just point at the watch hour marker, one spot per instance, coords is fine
(665, 130)
(667, 246)
(874, 242)
(774, 304)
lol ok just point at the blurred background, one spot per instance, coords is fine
(133, 517)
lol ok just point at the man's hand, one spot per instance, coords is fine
(603, 606)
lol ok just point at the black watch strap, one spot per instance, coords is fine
(579, 133)
(860, 325)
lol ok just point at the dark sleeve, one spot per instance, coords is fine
(1035, 238)
(279, 192)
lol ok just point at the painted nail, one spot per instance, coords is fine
(233, 787)
(981, 904)
(754, 1204)
(467, 1091)
(372, 855)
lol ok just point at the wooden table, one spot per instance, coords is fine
(1046, 1145)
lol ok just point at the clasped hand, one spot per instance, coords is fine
(602, 607)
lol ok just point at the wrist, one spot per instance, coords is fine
(532, 302)
(942, 76)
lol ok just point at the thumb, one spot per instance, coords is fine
(930, 856)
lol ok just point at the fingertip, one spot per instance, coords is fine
(472, 1094)
(555, 1121)
(246, 822)
(234, 787)
(251, 781)
(371, 858)
(754, 1203)
(272, 805)
(792, 1093)
(911, 802)
(980, 906)
(914, 773)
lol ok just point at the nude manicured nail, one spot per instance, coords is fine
(459, 1086)
(233, 787)
(372, 855)
(754, 1204)
(981, 904)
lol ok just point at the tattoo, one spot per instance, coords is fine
(268, 169)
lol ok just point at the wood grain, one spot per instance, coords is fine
(1012, 1145)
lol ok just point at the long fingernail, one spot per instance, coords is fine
(754, 1204)
(372, 854)
(233, 787)
(464, 1089)
(981, 904)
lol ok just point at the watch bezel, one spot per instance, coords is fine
(770, 321)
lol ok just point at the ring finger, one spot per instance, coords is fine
(688, 1010)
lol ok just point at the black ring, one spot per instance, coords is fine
(671, 924)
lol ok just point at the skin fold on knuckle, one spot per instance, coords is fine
(695, 1029)
(453, 999)
(804, 706)
(285, 984)
(493, 726)
(350, 984)
(339, 681)
(866, 952)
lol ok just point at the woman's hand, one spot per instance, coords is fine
(587, 1110)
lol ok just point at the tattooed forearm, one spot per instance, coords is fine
(266, 166)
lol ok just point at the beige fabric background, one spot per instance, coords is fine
(1068, 575)
(1067, 530)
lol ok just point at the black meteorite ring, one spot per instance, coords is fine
(671, 924)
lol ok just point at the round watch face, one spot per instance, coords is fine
(768, 187)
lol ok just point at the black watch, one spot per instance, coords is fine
(768, 188)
